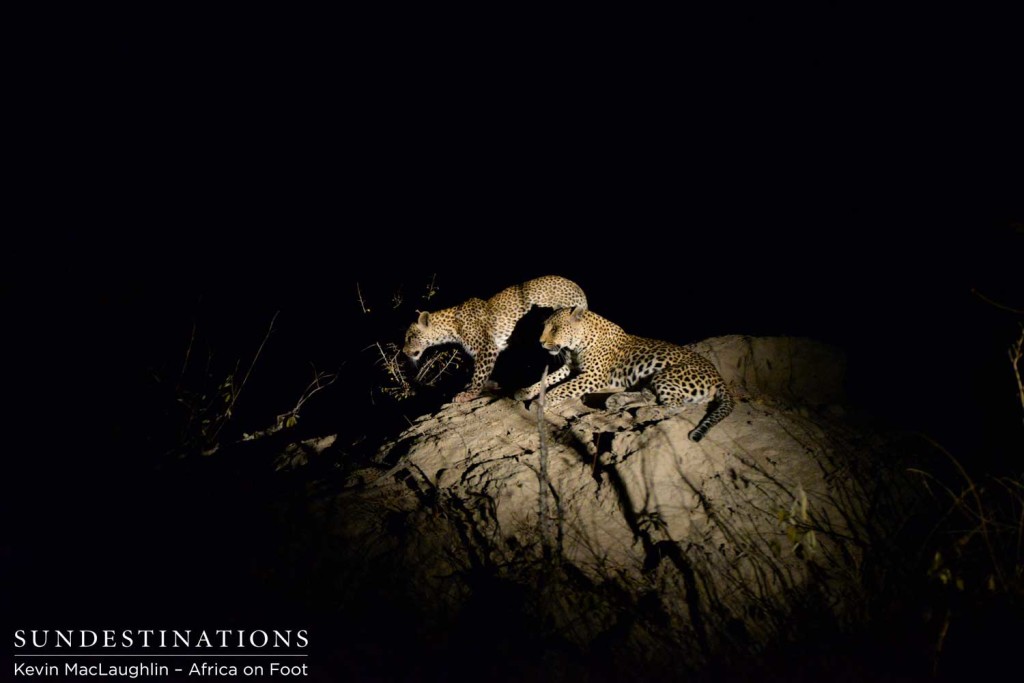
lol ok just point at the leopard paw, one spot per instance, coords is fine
(524, 394)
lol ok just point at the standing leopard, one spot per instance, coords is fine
(482, 328)
(611, 360)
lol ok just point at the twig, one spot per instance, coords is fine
(318, 384)
(431, 288)
(235, 393)
(188, 351)
(428, 373)
(362, 302)
(981, 512)
(449, 358)
(940, 641)
(1016, 351)
(255, 358)
(996, 303)
(321, 380)
(542, 475)
(402, 389)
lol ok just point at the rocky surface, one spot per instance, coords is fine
(601, 534)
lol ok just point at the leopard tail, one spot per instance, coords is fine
(723, 405)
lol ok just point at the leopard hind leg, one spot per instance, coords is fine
(680, 384)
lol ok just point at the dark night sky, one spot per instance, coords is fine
(757, 177)
(753, 178)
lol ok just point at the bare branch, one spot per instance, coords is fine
(542, 474)
(236, 392)
(287, 420)
(996, 303)
(362, 302)
(1016, 351)
(188, 351)
(431, 288)
(429, 373)
(321, 380)
(401, 387)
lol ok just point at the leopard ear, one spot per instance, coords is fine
(577, 313)
(424, 318)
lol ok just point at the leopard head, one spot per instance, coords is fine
(430, 329)
(418, 338)
(561, 330)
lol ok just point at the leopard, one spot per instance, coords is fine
(482, 328)
(610, 360)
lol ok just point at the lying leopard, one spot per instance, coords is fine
(482, 328)
(611, 360)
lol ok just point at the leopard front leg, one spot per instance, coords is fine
(552, 378)
(577, 388)
(483, 365)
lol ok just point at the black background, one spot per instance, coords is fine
(697, 176)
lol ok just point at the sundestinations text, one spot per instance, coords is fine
(85, 639)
